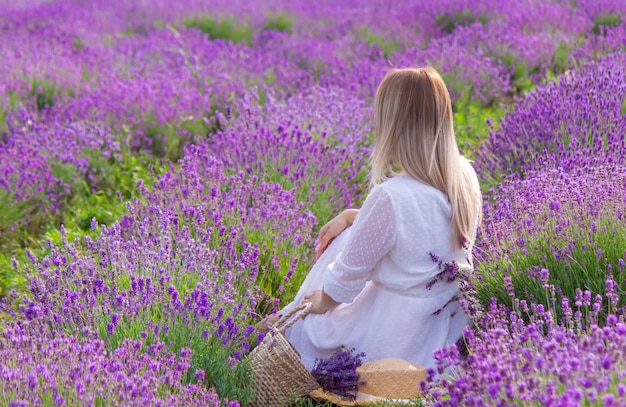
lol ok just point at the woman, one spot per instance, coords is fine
(377, 284)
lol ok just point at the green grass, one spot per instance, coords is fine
(582, 269)
(604, 21)
(560, 60)
(471, 125)
(279, 22)
(227, 29)
(449, 22)
(386, 46)
(521, 72)
(22, 221)
(230, 380)
(45, 92)
(115, 181)
(231, 29)
(168, 140)
(40, 92)
(473, 121)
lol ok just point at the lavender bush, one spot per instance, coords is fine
(579, 117)
(193, 266)
(559, 227)
(37, 370)
(522, 355)
(317, 144)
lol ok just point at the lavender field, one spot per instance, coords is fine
(165, 167)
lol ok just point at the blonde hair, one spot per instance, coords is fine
(414, 133)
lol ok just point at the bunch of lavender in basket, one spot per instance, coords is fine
(337, 373)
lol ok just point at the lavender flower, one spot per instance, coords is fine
(537, 361)
(337, 373)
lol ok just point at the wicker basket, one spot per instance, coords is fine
(278, 373)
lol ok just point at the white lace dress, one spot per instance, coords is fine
(382, 271)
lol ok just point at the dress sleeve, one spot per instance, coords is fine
(372, 236)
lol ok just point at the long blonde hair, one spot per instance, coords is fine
(414, 133)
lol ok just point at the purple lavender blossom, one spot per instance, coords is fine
(337, 373)
(537, 361)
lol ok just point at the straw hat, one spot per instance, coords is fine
(390, 379)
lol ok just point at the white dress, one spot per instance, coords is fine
(382, 271)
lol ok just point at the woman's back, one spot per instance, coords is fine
(422, 217)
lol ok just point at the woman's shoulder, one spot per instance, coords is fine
(407, 193)
(403, 184)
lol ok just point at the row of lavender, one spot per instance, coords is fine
(131, 76)
(552, 252)
(175, 287)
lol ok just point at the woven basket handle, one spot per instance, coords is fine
(286, 321)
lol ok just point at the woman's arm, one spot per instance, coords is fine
(321, 302)
(372, 236)
(333, 228)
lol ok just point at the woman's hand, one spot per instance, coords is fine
(321, 302)
(332, 229)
